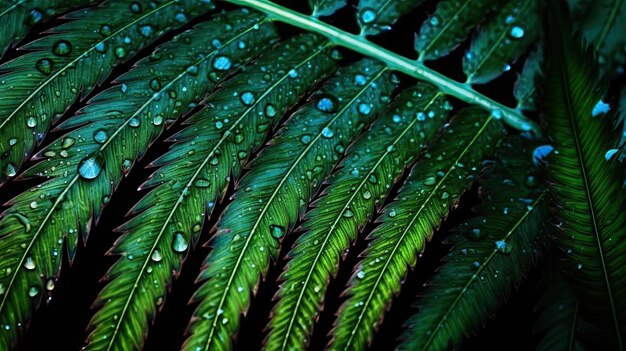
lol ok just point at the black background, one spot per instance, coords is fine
(61, 324)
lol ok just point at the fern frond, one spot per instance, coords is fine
(275, 192)
(37, 87)
(375, 16)
(372, 166)
(525, 88)
(502, 39)
(114, 130)
(559, 317)
(19, 16)
(603, 26)
(215, 144)
(432, 188)
(586, 187)
(490, 256)
(326, 7)
(449, 25)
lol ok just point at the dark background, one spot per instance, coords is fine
(61, 323)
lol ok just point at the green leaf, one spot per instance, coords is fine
(375, 16)
(84, 166)
(450, 25)
(559, 318)
(38, 87)
(275, 192)
(589, 201)
(603, 27)
(326, 7)
(214, 145)
(525, 88)
(501, 41)
(19, 16)
(490, 254)
(620, 124)
(433, 187)
(372, 166)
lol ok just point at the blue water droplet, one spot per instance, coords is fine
(368, 15)
(91, 167)
(600, 108)
(62, 48)
(517, 32)
(326, 103)
(327, 133)
(222, 63)
(364, 109)
(247, 98)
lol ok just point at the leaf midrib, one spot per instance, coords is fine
(588, 193)
(410, 224)
(275, 192)
(12, 7)
(159, 236)
(480, 269)
(340, 215)
(78, 58)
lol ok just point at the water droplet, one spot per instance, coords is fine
(392, 213)
(33, 291)
(179, 244)
(67, 142)
(517, 32)
(34, 205)
(105, 30)
(541, 153)
(474, 234)
(91, 166)
(326, 103)
(364, 109)
(360, 80)
(435, 20)
(134, 122)
(31, 122)
(12, 141)
(247, 98)
(396, 118)
(156, 256)
(101, 47)
(277, 231)
(430, 181)
(155, 85)
(120, 52)
(367, 195)
(29, 264)
(305, 139)
(62, 48)
(327, 132)
(222, 63)
(100, 136)
(360, 274)
(202, 183)
(146, 31)
(348, 213)
(270, 111)
(50, 284)
(503, 247)
(34, 16)
(497, 114)
(600, 108)
(45, 66)
(293, 73)
(135, 7)
(609, 154)
(10, 170)
(368, 15)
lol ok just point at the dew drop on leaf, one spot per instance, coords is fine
(179, 244)
(29, 264)
(33, 291)
(134, 122)
(348, 213)
(277, 231)
(91, 166)
(50, 284)
(367, 15)
(517, 32)
(360, 274)
(503, 247)
(247, 98)
(135, 7)
(327, 104)
(270, 111)
(120, 52)
(105, 30)
(155, 85)
(327, 132)
(222, 63)
(201, 183)
(364, 109)
(9, 171)
(430, 181)
(100, 136)
(156, 256)
(31, 122)
(62, 48)
(305, 139)
(45, 66)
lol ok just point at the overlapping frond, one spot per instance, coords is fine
(525, 88)
(449, 25)
(326, 7)
(586, 182)
(18, 17)
(559, 318)
(375, 16)
(39, 86)
(366, 175)
(215, 144)
(275, 192)
(109, 134)
(501, 40)
(433, 187)
(490, 256)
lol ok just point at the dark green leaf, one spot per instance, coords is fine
(490, 256)
(525, 89)
(372, 166)
(375, 16)
(434, 186)
(275, 192)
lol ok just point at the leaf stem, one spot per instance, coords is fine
(396, 62)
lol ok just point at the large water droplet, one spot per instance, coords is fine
(146, 31)
(91, 166)
(62, 48)
(277, 231)
(222, 63)
(31, 122)
(503, 247)
(270, 111)
(45, 66)
(368, 15)
(155, 85)
(156, 256)
(100, 136)
(517, 32)
(33, 291)
(247, 98)
(135, 7)
(9, 171)
(364, 109)
(29, 263)
(179, 244)
(600, 108)
(327, 132)
(105, 30)
(326, 103)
